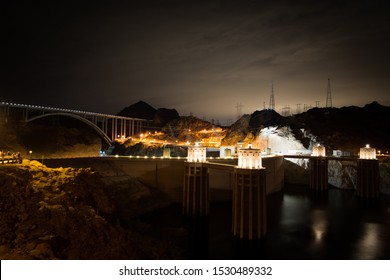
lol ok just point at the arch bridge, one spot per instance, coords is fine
(109, 127)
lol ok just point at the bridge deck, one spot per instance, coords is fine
(72, 111)
(109, 127)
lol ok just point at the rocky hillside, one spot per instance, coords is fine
(50, 137)
(346, 128)
(68, 213)
(186, 129)
(10, 140)
(143, 110)
(349, 128)
(249, 128)
(239, 131)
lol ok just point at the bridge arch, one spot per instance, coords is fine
(84, 120)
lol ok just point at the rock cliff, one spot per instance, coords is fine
(67, 213)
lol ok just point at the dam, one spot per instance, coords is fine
(302, 223)
(167, 174)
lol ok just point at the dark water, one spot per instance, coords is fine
(301, 225)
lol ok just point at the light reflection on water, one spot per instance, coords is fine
(294, 207)
(319, 222)
(370, 243)
(301, 225)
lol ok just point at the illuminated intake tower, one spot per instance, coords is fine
(368, 173)
(318, 169)
(249, 219)
(196, 183)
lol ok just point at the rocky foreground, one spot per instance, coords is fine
(68, 213)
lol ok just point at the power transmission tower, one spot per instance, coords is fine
(318, 104)
(239, 110)
(229, 122)
(286, 111)
(298, 108)
(272, 98)
(329, 96)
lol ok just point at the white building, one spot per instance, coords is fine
(319, 151)
(249, 158)
(367, 152)
(196, 153)
(227, 151)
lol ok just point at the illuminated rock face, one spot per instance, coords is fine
(249, 159)
(196, 154)
(319, 151)
(367, 152)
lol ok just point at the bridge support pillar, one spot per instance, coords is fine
(195, 190)
(318, 173)
(249, 219)
(368, 178)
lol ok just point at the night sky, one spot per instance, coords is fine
(200, 57)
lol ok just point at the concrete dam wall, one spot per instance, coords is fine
(167, 175)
